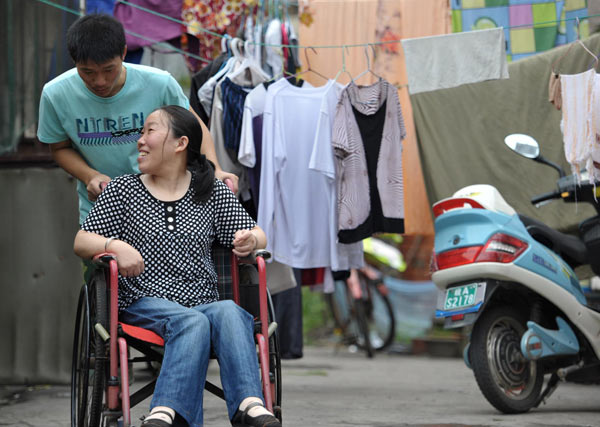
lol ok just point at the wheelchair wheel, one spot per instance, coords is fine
(275, 362)
(89, 355)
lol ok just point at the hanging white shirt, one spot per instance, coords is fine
(296, 202)
(254, 106)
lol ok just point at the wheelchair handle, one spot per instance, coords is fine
(251, 258)
(102, 260)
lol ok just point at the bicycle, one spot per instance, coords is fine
(362, 311)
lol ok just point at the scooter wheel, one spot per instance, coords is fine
(511, 383)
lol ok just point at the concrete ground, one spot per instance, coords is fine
(333, 387)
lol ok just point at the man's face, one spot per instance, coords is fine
(104, 79)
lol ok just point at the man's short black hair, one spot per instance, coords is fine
(96, 37)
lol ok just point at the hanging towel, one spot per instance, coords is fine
(578, 124)
(554, 95)
(450, 60)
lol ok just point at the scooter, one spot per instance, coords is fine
(511, 278)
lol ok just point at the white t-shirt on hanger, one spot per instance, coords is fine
(296, 202)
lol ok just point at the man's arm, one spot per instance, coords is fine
(72, 162)
(208, 149)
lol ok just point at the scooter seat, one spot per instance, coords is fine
(570, 248)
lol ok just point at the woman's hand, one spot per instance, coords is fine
(244, 242)
(129, 260)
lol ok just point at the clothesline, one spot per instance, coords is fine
(291, 46)
(128, 3)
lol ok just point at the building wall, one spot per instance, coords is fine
(40, 277)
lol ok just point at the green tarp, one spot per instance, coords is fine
(461, 135)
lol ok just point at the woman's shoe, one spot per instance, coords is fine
(154, 422)
(242, 419)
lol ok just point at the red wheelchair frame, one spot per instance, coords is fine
(100, 393)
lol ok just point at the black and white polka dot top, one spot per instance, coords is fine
(174, 238)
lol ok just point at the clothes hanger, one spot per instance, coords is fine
(368, 70)
(249, 49)
(344, 69)
(247, 62)
(308, 67)
(226, 67)
(578, 41)
(225, 45)
(236, 43)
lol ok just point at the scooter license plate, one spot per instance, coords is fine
(464, 296)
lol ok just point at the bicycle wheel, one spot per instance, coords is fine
(360, 307)
(350, 317)
(339, 304)
(379, 313)
(89, 358)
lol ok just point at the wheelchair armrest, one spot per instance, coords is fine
(102, 259)
(251, 259)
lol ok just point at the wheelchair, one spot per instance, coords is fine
(101, 364)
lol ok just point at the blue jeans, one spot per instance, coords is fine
(190, 334)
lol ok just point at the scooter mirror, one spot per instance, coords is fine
(524, 145)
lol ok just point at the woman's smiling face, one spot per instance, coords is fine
(154, 144)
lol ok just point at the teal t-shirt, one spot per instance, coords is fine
(104, 130)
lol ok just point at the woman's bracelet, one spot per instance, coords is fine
(110, 239)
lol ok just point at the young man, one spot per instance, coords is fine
(92, 115)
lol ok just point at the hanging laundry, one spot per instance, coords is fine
(250, 149)
(249, 75)
(198, 81)
(233, 111)
(274, 53)
(249, 152)
(554, 91)
(207, 90)
(147, 24)
(578, 123)
(367, 142)
(450, 60)
(294, 62)
(535, 26)
(100, 6)
(254, 107)
(297, 204)
(218, 16)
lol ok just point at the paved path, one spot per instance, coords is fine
(337, 388)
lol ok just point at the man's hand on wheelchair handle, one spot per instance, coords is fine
(129, 260)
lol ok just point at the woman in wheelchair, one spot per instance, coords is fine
(161, 224)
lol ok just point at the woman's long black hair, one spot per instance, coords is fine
(183, 122)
